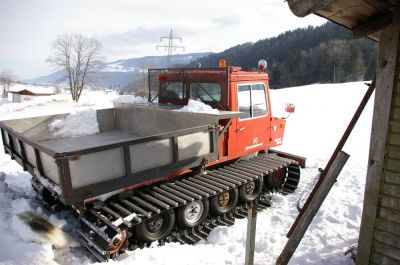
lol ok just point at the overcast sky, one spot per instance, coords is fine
(129, 28)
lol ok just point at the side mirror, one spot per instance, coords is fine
(290, 108)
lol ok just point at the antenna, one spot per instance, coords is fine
(170, 47)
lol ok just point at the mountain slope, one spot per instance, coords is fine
(123, 72)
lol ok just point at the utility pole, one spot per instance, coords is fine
(170, 47)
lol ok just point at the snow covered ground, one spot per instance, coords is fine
(60, 103)
(322, 114)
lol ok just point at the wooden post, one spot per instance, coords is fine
(313, 207)
(251, 234)
(389, 46)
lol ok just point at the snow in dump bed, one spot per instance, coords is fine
(199, 107)
(322, 113)
(129, 99)
(78, 123)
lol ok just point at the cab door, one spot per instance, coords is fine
(252, 129)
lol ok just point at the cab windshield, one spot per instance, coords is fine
(173, 90)
(206, 92)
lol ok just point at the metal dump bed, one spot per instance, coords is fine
(136, 144)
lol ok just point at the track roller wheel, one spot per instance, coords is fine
(193, 213)
(249, 191)
(224, 201)
(157, 227)
(275, 179)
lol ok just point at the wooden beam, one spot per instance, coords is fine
(385, 81)
(313, 207)
(373, 25)
(302, 8)
(380, 5)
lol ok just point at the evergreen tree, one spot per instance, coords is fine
(326, 53)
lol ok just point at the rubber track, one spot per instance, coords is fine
(103, 221)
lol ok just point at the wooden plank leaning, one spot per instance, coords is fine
(313, 207)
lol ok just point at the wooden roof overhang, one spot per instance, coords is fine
(362, 17)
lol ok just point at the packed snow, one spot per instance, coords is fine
(77, 123)
(322, 114)
(130, 99)
(199, 107)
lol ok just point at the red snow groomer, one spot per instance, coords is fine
(154, 173)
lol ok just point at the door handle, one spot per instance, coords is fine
(240, 129)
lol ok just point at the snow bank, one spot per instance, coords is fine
(78, 123)
(198, 106)
(129, 99)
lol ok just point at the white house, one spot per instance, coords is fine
(23, 93)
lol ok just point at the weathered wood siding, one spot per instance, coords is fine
(386, 236)
(379, 241)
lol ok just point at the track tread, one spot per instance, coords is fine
(148, 202)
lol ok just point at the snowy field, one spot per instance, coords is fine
(322, 114)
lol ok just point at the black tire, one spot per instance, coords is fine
(193, 213)
(224, 202)
(249, 191)
(276, 179)
(156, 228)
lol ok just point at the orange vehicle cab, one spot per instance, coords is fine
(229, 89)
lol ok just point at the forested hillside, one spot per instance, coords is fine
(323, 54)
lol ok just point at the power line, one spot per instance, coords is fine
(170, 47)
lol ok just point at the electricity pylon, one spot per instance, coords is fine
(170, 47)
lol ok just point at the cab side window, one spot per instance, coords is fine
(252, 100)
(258, 100)
(244, 100)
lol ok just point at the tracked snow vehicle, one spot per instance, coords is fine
(154, 173)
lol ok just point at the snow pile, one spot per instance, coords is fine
(78, 123)
(198, 106)
(32, 227)
(17, 196)
(96, 98)
(129, 99)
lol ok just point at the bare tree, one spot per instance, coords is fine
(76, 55)
(7, 79)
